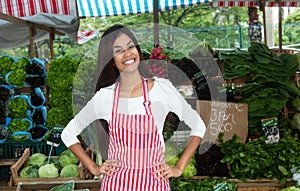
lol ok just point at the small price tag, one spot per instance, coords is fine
(270, 128)
(54, 138)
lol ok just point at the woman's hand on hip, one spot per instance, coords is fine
(166, 171)
(108, 167)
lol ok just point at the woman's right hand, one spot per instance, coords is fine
(108, 167)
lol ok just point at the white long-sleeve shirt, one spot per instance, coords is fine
(164, 98)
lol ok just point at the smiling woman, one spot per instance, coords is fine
(132, 106)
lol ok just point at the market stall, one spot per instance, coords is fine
(261, 4)
(38, 29)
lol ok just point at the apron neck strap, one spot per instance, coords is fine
(146, 102)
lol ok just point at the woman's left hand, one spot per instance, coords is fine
(166, 171)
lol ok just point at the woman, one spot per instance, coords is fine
(134, 107)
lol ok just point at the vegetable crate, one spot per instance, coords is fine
(16, 168)
(13, 150)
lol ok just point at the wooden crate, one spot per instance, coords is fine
(263, 184)
(16, 168)
(91, 185)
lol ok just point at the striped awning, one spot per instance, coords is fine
(253, 3)
(25, 8)
(103, 8)
(60, 15)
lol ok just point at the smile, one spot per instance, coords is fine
(128, 62)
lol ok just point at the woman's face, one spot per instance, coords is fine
(126, 55)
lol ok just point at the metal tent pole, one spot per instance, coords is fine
(156, 21)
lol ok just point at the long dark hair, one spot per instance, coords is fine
(107, 73)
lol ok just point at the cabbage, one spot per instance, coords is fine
(36, 159)
(54, 161)
(48, 171)
(295, 123)
(296, 103)
(67, 158)
(190, 171)
(29, 172)
(69, 171)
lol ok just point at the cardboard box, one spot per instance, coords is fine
(223, 117)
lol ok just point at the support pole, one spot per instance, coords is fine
(264, 20)
(156, 21)
(51, 39)
(31, 41)
(280, 25)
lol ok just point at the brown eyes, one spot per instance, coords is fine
(122, 50)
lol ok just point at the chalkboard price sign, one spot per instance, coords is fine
(54, 138)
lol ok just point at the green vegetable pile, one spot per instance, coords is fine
(5, 64)
(60, 79)
(256, 159)
(64, 166)
(18, 107)
(19, 124)
(61, 73)
(178, 184)
(291, 188)
(17, 75)
(268, 88)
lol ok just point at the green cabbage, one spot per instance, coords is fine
(67, 158)
(54, 161)
(190, 170)
(36, 159)
(29, 172)
(48, 171)
(69, 171)
(296, 103)
(295, 122)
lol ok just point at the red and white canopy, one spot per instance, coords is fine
(22, 8)
(60, 15)
(253, 3)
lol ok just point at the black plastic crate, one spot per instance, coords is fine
(15, 149)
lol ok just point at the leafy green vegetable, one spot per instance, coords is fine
(172, 156)
(18, 106)
(36, 159)
(70, 170)
(189, 171)
(291, 188)
(54, 161)
(68, 186)
(48, 171)
(67, 158)
(208, 184)
(256, 159)
(59, 116)
(5, 64)
(29, 172)
(267, 89)
(19, 124)
(295, 122)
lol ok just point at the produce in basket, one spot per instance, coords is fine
(40, 166)
(48, 171)
(69, 171)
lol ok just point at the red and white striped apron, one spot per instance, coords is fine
(136, 143)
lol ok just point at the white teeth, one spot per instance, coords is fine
(129, 61)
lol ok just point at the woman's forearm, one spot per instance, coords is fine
(189, 152)
(83, 157)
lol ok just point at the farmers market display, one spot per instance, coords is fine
(34, 101)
